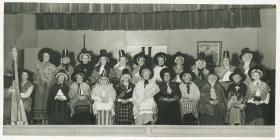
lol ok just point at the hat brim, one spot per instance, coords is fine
(63, 74)
(136, 56)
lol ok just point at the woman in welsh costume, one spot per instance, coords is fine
(190, 98)
(123, 103)
(103, 94)
(145, 108)
(26, 89)
(58, 108)
(257, 98)
(66, 66)
(160, 61)
(200, 70)
(212, 104)
(119, 67)
(225, 70)
(79, 99)
(168, 99)
(102, 66)
(236, 94)
(43, 79)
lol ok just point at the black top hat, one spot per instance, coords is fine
(166, 70)
(44, 50)
(103, 52)
(201, 56)
(146, 68)
(65, 53)
(122, 53)
(185, 72)
(245, 50)
(226, 54)
(83, 52)
(125, 72)
(237, 72)
(160, 54)
(61, 72)
(137, 56)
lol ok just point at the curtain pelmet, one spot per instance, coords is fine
(203, 19)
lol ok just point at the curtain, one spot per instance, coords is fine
(169, 20)
(41, 8)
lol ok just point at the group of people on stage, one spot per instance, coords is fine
(145, 93)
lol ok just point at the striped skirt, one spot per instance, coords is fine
(104, 117)
(187, 106)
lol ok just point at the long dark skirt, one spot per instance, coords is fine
(217, 119)
(59, 113)
(82, 115)
(168, 113)
(254, 114)
(124, 114)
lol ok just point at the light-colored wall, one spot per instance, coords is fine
(19, 32)
(261, 39)
(267, 37)
(176, 40)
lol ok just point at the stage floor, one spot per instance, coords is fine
(146, 130)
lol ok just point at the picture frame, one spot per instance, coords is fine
(212, 50)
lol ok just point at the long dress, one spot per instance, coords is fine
(80, 103)
(168, 104)
(59, 111)
(103, 106)
(145, 108)
(257, 91)
(223, 74)
(212, 114)
(236, 98)
(68, 70)
(124, 111)
(44, 79)
(26, 90)
(201, 76)
(189, 103)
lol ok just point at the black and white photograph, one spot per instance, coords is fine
(139, 69)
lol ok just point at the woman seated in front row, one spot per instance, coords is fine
(80, 102)
(103, 94)
(124, 105)
(145, 107)
(168, 99)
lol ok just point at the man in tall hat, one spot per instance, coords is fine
(65, 65)
(120, 66)
(247, 62)
(200, 70)
(85, 59)
(159, 60)
(225, 70)
(139, 60)
(102, 65)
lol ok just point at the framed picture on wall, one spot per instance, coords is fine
(212, 51)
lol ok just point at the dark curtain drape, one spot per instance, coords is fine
(169, 20)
